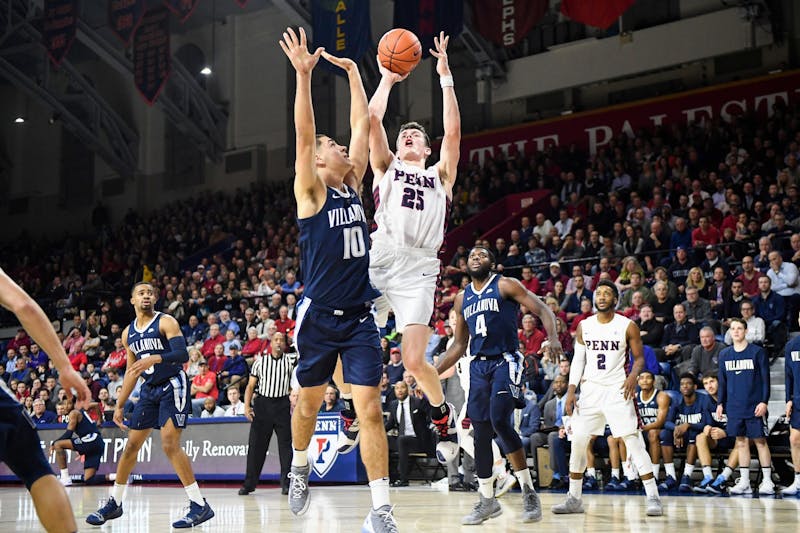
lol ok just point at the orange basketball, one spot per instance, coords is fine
(399, 51)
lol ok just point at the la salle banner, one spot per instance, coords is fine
(593, 130)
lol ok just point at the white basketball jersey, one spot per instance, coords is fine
(606, 350)
(411, 207)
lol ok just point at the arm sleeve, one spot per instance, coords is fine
(178, 353)
(578, 364)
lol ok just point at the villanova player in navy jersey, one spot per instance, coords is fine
(743, 396)
(334, 318)
(83, 436)
(20, 446)
(792, 366)
(487, 321)
(156, 353)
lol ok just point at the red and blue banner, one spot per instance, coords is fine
(594, 13)
(426, 18)
(342, 27)
(151, 54)
(507, 22)
(58, 28)
(182, 9)
(124, 16)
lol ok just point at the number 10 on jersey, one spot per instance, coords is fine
(353, 242)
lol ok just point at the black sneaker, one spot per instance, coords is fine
(109, 511)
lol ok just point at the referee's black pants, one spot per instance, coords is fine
(269, 414)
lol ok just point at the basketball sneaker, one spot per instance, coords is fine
(350, 434)
(380, 520)
(702, 488)
(668, 484)
(742, 487)
(654, 507)
(446, 426)
(590, 483)
(298, 489)
(613, 484)
(717, 486)
(767, 487)
(485, 509)
(686, 484)
(109, 511)
(571, 505)
(531, 505)
(505, 482)
(197, 515)
(67, 482)
(791, 490)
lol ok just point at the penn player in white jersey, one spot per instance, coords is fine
(411, 201)
(607, 395)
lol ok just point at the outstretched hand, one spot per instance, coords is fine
(344, 63)
(296, 49)
(389, 75)
(440, 53)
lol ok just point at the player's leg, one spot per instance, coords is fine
(60, 448)
(666, 442)
(767, 486)
(704, 444)
(613, 458)
(415, 340)
(732, 463)
(688, 468)
(52, 505)
(641, 460)
(630, 476)
(794, 443)
(743, 455)
(349, 436)
(590, 476)
(654, 447)
(199, 510)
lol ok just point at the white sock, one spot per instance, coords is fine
(524, 478)
(669, 468)
(65, 473)
(193, 491)
(706, 471)
(379, 488)
(688, 470)
(726, 473)
(486, 487)
(300, 458)
(626, 469)
(576, 488)
(797, 479)
(591, 472)
(615, 472)
(118, 492)
(767, 473)
(650, 487)
(347, 396)
(744, 474)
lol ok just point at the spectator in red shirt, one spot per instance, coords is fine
(531, 337)
(705, 234)
(204, 385)
(604, 265)
(555, 275)
(284, 324)
(749, 277)
(253, 346)
(116, 359)
(214, 339)
(22, 391)
(78, 360)
(20, 339)
(217, 359)
(529, 281)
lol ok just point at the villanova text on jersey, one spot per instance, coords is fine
(648, 410)
(334, 252)
(491, 319)
(148, 341)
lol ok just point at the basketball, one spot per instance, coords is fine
(446, 451)
(399, 51)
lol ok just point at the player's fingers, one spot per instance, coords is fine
(284, 47)
(303, 39)
(434, 53)
(318, 51)
(293, 36)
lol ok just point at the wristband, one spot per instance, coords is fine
(446, 81)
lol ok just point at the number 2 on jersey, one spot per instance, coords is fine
(353, 242)
(601, 361)
(412, 199)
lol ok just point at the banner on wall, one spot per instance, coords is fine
(426, 18)
(593, 13)
(182, 9)
(217, 449)
(124, 16)
(151, 54)
(506, 22)
(58, 28)
(342, 27)
(592, 130)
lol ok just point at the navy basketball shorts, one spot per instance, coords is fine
(162, 402)
(753, 427)
(794, 419)
(726, 443)
(20, 447)
(91, 447)
(493, 379)
(322, 335)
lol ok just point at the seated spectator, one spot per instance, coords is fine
(661, 274)
(284, 324)
(408, 428)
(395, 368)
(114, 382)
(651, 329)
(22, 391)
(572, 304)
(698, 310)
(663, 304)
(633, 310)
(117, 359)
(705, 234)
(40, 414)
(552, 303)
(236, 407)
(530, 418)
(784, 278)
(695, 279)
(211, 409)
(712, 261)
(563, 370)
(253, 346)
(635, 285)
(217, 359)
(214, 338)
(226, 324)
(629, 266)
(204, 385)
(231, 343)
(586, 312)
(331, 402)
(680, 338)
(705, 357)
(756, 329)
(234, 369)
(529, 281)
(749, 277)
(193, 330)
(604, 267)
(732, 301)
(73, 342)
(716, 290)
(21, 371)
(770, 307)
(37, 356)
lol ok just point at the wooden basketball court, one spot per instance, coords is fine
(341, 509)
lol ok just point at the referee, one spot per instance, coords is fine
(269, 379)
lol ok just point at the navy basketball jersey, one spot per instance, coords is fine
(334, 252)
(648, 409)
(697, 415)
(792, 369)
(492, 320)
(86, 430)
(716, 421)
(149, 341)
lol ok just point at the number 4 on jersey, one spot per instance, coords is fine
(480, 326)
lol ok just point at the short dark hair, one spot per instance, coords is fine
(610, 285)
(415, 126)
(741, 321)
(647, 372)
(140, 283)
(488, 251)
(688, 375)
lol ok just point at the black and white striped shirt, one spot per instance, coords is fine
(274, 375)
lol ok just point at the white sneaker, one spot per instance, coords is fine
(504, 484)
(742, 487)
(67, 482)
(791, 490)
(767, 487)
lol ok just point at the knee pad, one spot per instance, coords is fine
(577, 459)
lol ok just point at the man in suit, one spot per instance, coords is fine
(409, 417)
(556, 439)
(529, 421)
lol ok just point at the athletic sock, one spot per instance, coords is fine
(797, 479)
(767, 473)
(688, 470)
(726, 473)
(591, 472)
(650, 487)
(193, 491)
(524, 478)
(626, 470)
(706, 471)
(118, 492)
(669, 468)
(300, 458)
(486, 487)
(744, 475)
(65, 474)
(615, 472)
(656, 470)
(347, 400)
(379, 488)
(576, 488)
(439, 411)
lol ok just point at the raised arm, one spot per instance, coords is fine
(450, 151)
(359, 121)
(308, 188)
(380, 154)
(460, 338)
